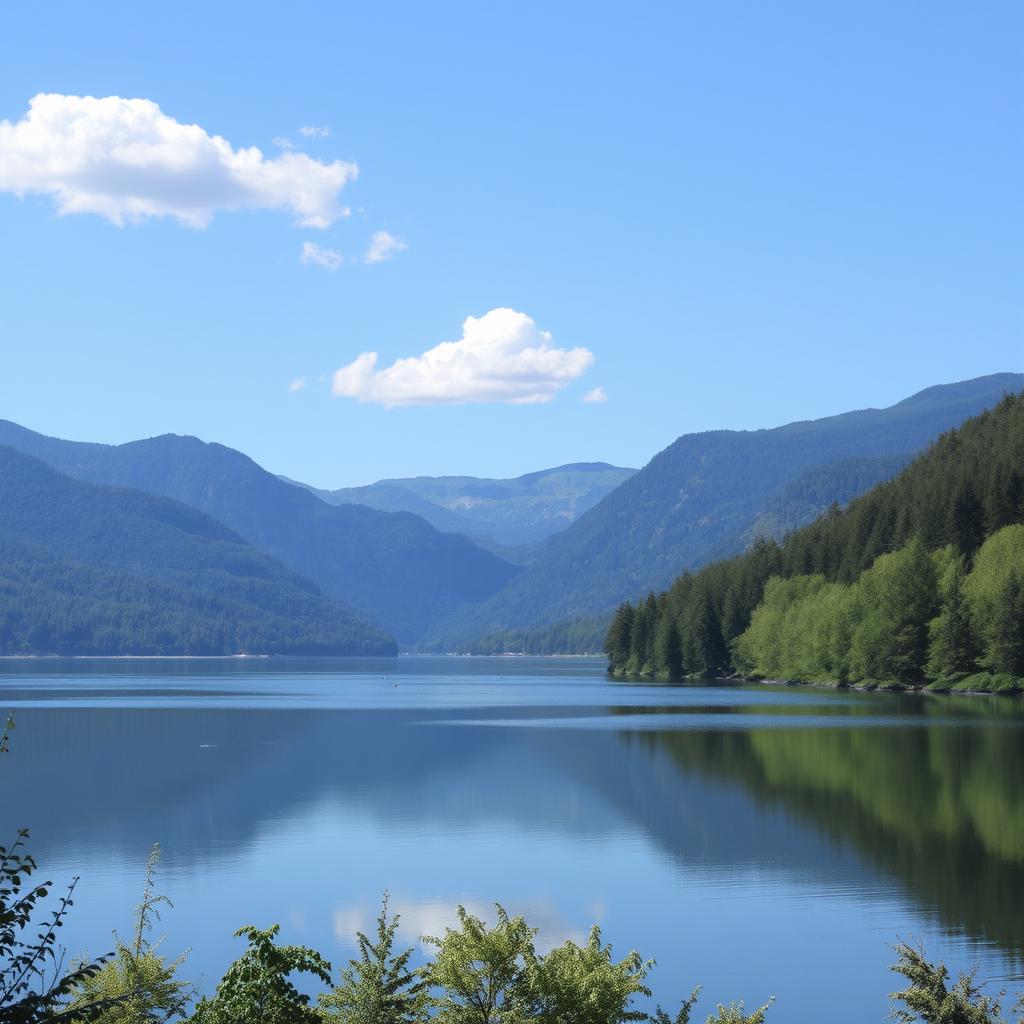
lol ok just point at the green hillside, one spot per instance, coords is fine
(99, 570)
(393, 567)
(921, 579)
(705, 496)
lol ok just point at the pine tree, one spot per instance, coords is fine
(668, 656)
(704, 649)
(966, 520)
(618, 642)
(379, 987)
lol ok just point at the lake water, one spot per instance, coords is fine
(756, 840)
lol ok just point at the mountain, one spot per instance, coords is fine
(392, 566)
(86, 569)
(921, 578)
(703, 496)
(517, 511)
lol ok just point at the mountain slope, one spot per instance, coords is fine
(920, 578)
(99, 570)
(393, 566)
(699, 499)
(521, 510)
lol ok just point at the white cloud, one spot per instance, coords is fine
(596, 395)
(501, 357)
(433, 917)
(316, 255)
(296, 385)
(283, 143)
(383, 246)
(314, 131)
(126, 160)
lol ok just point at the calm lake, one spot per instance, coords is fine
(756, 840)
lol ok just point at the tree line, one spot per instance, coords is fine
(919, 579)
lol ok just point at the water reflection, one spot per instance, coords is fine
(937, 808)
(780, 825)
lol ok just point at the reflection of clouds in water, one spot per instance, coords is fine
(432, 917)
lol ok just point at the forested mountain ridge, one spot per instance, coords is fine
(86, 569)
(922, 578)
(394, 567)
(701, 498)
(521, 510)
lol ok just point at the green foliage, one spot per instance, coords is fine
(901, 587)
(583, 985)
(931, 999)
(683, 1016)
(379, 987)
(482, 972)
(898, 597)
(256, 987)
(584, 635)
(618, 642)
(734, 1014)
(994, 590)
(138, 984)
(952, 647)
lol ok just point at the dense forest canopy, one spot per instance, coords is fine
(920, 579)
(104, 570)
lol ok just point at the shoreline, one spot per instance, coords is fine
(869, 687)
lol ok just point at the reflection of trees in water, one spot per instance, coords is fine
(933, 804)
(938, 806)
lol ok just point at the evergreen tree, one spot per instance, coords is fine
(966, 520)
(668, 656)
(138, 984)
(618, 643)
(952, 648)
(379, 987)
(704, 649)
(930, 998)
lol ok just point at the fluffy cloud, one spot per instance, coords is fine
(383, 246)
(314, 131)
(126, 160)
(596, 395)
(501, 357)
(317, 256)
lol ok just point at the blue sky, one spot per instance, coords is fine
(745, 213)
